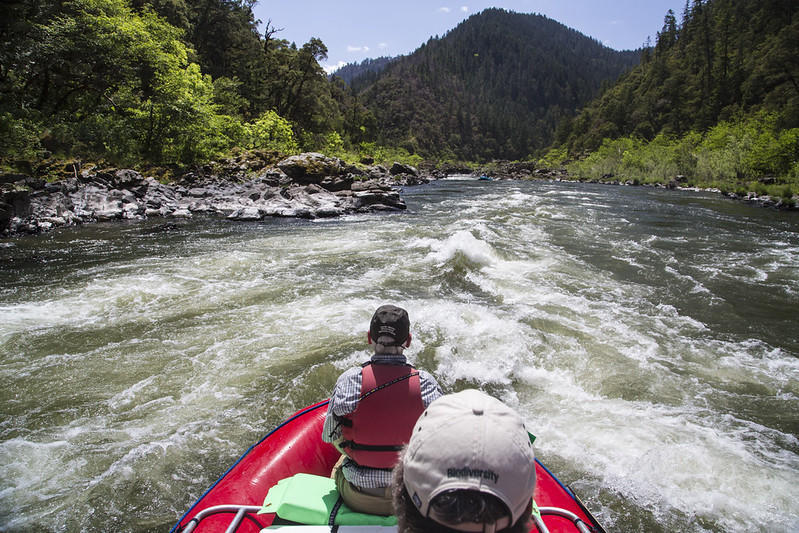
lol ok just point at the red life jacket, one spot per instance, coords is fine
(389, 405)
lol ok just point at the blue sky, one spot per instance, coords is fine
(354, 30)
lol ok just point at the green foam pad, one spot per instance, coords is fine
(309, 499)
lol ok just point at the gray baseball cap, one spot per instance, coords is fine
(470, 440)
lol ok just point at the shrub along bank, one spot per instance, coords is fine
(752, 155)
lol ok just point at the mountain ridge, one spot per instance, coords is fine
(495, 86)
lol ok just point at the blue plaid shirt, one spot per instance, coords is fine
(344, 400)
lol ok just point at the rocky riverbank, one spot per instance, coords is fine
(530, 171)
(249, 187)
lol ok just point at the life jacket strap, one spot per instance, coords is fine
(388, 384)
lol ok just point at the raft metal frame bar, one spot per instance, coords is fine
(578, 522)
(240, 511)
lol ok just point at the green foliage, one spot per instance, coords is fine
(20, 137)
(333, 144)
(111, 83)
(734, 156)
(554, 158)
(748, 149)
(172, 82)
(722, 153)
(180, 123)
(272, 132)
(716, 101)
(612, 158)
(387, 155)
(496, 86)
(113, 79)
(774, 152)
(724, 61)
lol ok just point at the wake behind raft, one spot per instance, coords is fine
(282, 484)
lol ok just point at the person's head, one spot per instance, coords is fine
(469, 466)
(389, 329)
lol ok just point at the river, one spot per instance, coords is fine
(650, 338)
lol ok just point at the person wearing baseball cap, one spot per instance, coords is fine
(469, 466)
(372, 412)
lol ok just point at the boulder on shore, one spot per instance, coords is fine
(310, 167)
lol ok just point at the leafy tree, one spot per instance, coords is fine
(97, 77)
(727, 57)
(273, 132)
(163, 81)
(305, 79)
(667, 37)
(732, 155)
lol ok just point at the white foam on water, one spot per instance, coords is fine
(31, 315)
(670, 459)
(30, 465)
(473, 334)
(697, 287)
(97, 301)
(464, 243)
(669, 451)
(460, 177)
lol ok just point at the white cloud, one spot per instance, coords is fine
(443, 10)
(330, 69)
(464, 9)
(351, 48)
(382, 46)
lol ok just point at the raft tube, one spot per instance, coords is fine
(295, 446)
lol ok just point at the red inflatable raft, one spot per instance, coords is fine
(295, 447)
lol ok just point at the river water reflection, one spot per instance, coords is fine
(650, 338)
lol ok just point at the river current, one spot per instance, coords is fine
(649, 338)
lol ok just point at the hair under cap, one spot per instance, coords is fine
(390, 321)
(470, 440)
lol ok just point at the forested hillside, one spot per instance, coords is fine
(159, 82)
(171, 83)
(366, 71)
(715, 100)
(494, 87)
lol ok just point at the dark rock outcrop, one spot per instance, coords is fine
(508, 170)
(310, 167)
(305, 186)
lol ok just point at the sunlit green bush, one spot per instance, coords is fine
(728, 156)
(272, 132)
(554, 158)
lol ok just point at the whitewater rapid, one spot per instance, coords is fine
(648, 338)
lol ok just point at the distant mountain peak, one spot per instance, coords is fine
(496, 85)
(350, 71)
